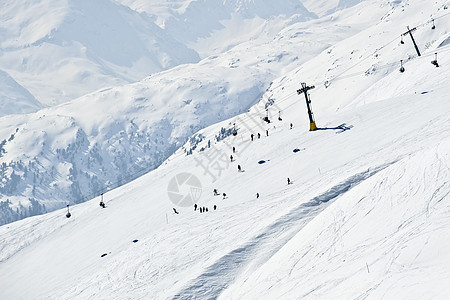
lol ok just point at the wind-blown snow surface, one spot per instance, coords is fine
(112, 136)
(365, 216)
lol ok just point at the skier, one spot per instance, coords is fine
(259, 135)
(215, 192)
(175, 211)
(224, 195)
(257, 195)
(205, 208)
(234, 150)
(291, 126)
(251, 136)
(239, 168)
(231, 158)
(289, 181)
(195, 206)
(215, 207)
(201, 210)
(267, 132)
(102, 204)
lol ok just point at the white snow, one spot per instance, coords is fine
(365, 217)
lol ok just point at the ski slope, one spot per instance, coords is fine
(377, 193)
(364, 217)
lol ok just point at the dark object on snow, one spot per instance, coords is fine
(215, 192)
(402, 69)
(266, 119)
(102, 204)
(206, 209)
(239, 168)
(257, 195)
(195, 206)
(135, 241)
(267, 132)
(175, 211)
(215, 207)
(261, 162)
(231, 158)
(251, 136)
(224, 195)
(68, 215)
(259, 135)
(104, 254)
(289, 181)
(296, 150)
(201, 209)
(234, 150)
(435, 62)
(291, 126)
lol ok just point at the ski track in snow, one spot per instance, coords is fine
(216, 278)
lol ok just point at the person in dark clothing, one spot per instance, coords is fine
(224, 195)
(175, 211)
(239, 168)
(231, 158)
(215, 192)
(267, 132)
(234, 150)
(102, 204)
(257, 195)
(201, 210)
(259, 135)
(215, 207)
(289, 181)
(195, 206)
(251, 136)
(291, 126)
(206, 209)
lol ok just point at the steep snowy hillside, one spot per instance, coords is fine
(110, 137)
(365, 212)
(14, 98)
(60, 50)
(364, 216)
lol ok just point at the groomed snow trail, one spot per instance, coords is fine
(217, 277)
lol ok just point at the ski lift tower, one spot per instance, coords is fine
(304, 89)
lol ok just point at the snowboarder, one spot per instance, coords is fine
(289, 181)
(215, 207)
(175, 211)
(102, 204)
(257, 195)
(259, 135)
(234, 150)
(195, 206)
(251, 136)
(239, 168)
(224, 195)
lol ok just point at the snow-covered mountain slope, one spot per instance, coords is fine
(60, 50)
(14, 98)
(364, 216)
(215, 26)
(112, 136)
